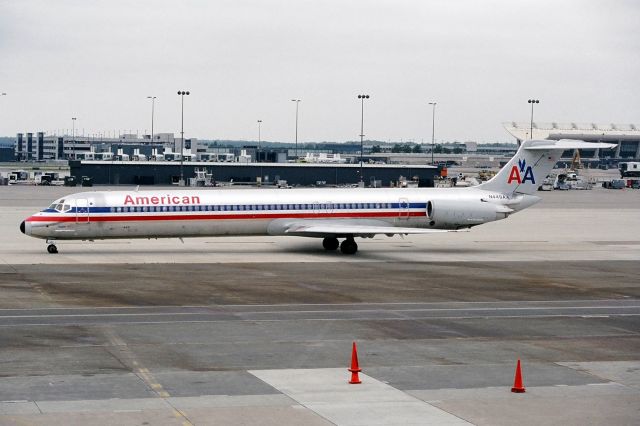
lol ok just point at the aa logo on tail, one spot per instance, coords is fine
(521, 173)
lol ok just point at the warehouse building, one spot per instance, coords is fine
(319, 174)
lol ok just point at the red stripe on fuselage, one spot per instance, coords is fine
(111, 217)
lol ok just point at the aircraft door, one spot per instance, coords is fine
(82, 211)
(403, 211)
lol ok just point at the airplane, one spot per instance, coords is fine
(331, 214)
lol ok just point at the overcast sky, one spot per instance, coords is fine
(245, 60)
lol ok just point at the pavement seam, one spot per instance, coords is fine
(293, 399)
(595, 375)
(142, 372)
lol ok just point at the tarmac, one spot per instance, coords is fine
(258, 330)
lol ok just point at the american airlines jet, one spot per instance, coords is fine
(330, 214)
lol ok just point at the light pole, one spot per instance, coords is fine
(73, 137)
(153, 101)
(297, 101)
(362, 98)
(433, 128)
(259, 123)
(182, 93)
(532, 101)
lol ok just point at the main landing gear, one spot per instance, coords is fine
(51, 248)
(348, 246)
(330, 243)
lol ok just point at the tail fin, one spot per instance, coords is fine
(534, 160)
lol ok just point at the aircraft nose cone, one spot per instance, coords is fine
(22, 226)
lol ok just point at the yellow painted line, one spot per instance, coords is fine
(145, 375)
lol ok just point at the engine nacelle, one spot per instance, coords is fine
(464, 212)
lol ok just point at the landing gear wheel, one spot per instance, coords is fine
(52, 249)
(349, 246)
(330, 243)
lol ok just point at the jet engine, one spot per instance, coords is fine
(462, 213)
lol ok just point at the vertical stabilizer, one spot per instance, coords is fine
(534, 160)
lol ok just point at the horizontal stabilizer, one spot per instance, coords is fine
(565, 144)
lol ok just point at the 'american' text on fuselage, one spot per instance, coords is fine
(155, 200)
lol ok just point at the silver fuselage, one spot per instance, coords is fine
(172, 213)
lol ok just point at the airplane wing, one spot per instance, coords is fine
(368, 228)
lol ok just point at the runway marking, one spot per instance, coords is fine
(64, 324)
(353, 311)
(510, 241)
(143, 373)
(585, 309)
(453, 302)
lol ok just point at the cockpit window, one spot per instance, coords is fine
(60, 206)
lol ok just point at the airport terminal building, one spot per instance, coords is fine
(626, 136)
(129, 159)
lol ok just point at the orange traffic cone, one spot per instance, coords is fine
(355, 369)
(518, 387)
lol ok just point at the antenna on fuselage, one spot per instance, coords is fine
(137, 187)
